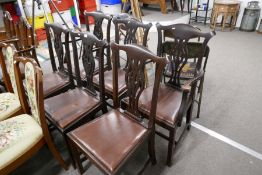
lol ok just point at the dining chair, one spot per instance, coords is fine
(176, 96)
(9, 101)
(9, 25)
(110, 140)
(100, 18)
(127, 35)
(164, 48)
(61, 78)
(22, 136)
(79, 105)
(26, 39)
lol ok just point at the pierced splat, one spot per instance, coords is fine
(56, 44)
(178, 59)
(130, 26)
(135, 81)
(89, 64)
(98, 31)
(179, 49)
(91, 46)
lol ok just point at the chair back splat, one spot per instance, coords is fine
(91, 46)
(178, 56)
(100, 18)
(61, 48)
(127, 27)
(135, 78)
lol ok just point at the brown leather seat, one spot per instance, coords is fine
(108, 77)
(166, 111)
(113, 129)
(53, 82)
(70, 106)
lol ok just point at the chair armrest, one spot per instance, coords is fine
(26, 50)
(187, 86)
(13, 40)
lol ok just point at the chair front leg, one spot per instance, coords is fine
(76, 157)
(171, 145)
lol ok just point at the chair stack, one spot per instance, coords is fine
(97, 96)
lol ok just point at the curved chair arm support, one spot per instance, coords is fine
(187, 86)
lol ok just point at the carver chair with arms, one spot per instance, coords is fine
(176, 96)
(164, 48)
(100, 18)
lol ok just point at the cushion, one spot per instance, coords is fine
(9, 105)
(109, 138)
(168, 103)
(108, 77)
(53, 82)
(17, 135)
(67, 108)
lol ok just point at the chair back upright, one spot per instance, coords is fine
(91, 46)
(179, 57)
(33, 86)
(7, 52)
(58, 42)
(135, 79)
(9, 25)
(26, 37)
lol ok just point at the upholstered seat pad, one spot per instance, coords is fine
(68, 107)
(168, 104)
(52, 82)
(109, 138)
(9, 105)
(17, 135)
(108, 77)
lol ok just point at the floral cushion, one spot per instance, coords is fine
(30, 84)
(9, 105)
(9, 59)
(17, 135)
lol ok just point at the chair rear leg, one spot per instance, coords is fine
(171, 145)
(151, 148)
(76, 157)
(200, 97)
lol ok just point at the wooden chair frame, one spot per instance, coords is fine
(63, 55)
(47, 138)
(99, 17)
(164, 33)
(136, 84)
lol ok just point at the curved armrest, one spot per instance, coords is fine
(13, 40)
(26, 50)
(187, 86)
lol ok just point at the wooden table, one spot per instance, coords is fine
(227, 9)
